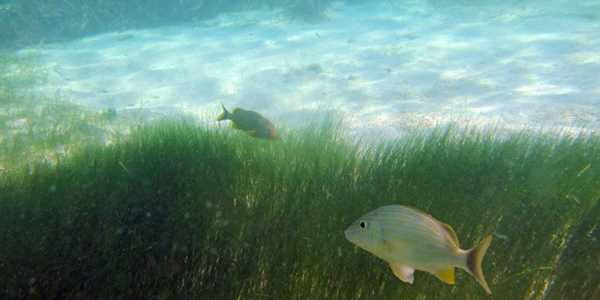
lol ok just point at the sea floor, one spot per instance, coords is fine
(386, 66)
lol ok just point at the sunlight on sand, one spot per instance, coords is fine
(382, 68)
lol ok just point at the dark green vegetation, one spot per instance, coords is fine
(179, 211)
(30, 22)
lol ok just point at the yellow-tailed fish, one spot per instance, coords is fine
(409, 239)
(250, 122)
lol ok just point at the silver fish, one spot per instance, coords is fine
(409, 239)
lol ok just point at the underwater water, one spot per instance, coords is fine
(241, 149)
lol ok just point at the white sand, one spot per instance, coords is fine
(386, 69)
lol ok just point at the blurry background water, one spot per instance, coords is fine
(40, 21)
(386, 66)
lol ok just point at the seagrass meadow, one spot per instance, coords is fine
(179, 210)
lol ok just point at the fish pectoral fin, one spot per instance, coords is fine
(252, 133)
(446, 275)
(406, 274)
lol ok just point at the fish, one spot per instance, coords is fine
(409, 239)
(250, 122)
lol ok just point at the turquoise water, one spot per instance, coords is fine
(388, 66)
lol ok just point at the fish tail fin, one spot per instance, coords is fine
(225, 114)
(474, 258)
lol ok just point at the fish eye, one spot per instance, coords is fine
(362, 225)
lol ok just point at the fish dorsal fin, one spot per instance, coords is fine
(236, 109)
(406, 274)
(234, 126)
(446, 275)
(449, 233)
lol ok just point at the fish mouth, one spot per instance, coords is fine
(348, 237)
(352, 237)
(275, 135)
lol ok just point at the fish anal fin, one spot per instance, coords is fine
(234, 126)
(406, 274)
(450, 234)
(446, 275)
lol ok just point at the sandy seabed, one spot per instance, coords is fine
(386, 66)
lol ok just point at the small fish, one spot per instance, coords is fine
(250, 122)
(409, 240)
(501, 236)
